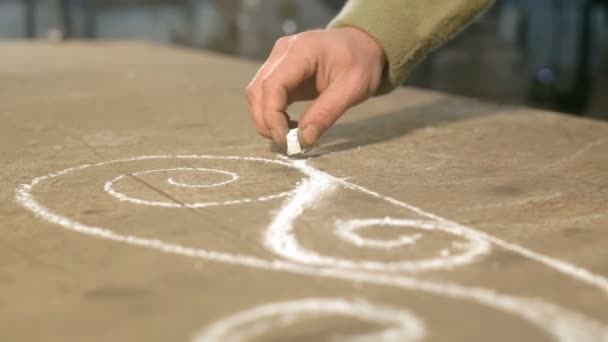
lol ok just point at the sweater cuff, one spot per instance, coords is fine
(407, 30)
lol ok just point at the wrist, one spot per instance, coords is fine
(366, 43)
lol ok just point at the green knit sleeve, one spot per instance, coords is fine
(408, 30)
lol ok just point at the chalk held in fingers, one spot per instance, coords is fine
(293, 143)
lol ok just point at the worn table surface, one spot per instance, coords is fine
(138, 203)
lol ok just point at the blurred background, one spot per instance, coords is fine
(551, 54)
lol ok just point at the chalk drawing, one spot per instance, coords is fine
(560, 323)
(568, 269)
(348, 231)
(109, 187)
(280, 239)
(233, 177)
(400, 325)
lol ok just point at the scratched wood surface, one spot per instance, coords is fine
(137, 203)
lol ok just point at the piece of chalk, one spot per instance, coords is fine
(293, 143)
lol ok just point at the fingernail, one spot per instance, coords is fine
(309, 135)
(276, 137)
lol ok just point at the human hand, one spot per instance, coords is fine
(337, 68)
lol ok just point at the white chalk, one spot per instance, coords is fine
(293, 143)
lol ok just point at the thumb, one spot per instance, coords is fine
(325, 110)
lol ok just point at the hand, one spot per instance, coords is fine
(337, 68)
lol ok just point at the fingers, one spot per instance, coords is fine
(254, 89)
(284, 78)
(340, 68)
(326, 109)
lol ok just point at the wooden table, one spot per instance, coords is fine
(137, 203)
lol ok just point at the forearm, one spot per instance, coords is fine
(408, 30)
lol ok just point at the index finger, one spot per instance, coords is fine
(287, 74)
(254, 88)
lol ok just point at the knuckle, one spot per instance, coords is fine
(251, 91)
(313, 35)
(350, 60)
(297, 38)
(300, 42)
(362, 86)
(282, 42)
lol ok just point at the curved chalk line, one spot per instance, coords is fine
(109, 188)
(233, 177)
(560, 323)
(281, 239)
(568, 269)
(348, 232)
(401, 325)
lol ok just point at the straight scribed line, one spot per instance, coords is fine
(128, 174)
(226, 231)
(255, 242)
